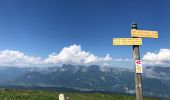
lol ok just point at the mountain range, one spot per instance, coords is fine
(156, 80)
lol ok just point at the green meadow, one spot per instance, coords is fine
(8, 94)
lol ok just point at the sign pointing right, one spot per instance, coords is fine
(144, 33)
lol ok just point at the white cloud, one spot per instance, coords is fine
(75, 55)
(105, 64)
(17, 58)
(162, 58)
(68, 55)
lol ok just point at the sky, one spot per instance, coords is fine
(52, 32)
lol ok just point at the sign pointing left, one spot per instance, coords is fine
(127, 41)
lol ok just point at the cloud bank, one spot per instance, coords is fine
(17, 58)
(68, 55)
(162, 58)
(74, 55)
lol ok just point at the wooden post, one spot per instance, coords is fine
(138, 76)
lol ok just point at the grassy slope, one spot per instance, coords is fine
(46, 95)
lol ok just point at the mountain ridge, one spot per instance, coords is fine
(91, 78)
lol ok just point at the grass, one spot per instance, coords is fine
(7, 94)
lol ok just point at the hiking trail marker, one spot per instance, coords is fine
(138, 64)
(135, 42)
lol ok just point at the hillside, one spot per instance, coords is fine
(6, 94)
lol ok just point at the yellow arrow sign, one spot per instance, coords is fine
(144, 33)
(127, 41)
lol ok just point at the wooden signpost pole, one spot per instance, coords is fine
(138, 77)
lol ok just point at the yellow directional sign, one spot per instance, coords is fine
(127, 41)
(144, 33)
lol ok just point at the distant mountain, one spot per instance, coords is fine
(156, 80)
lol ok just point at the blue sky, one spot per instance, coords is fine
(40, 27)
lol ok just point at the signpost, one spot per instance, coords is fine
(135, 42)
